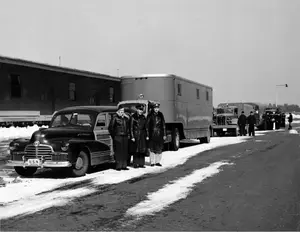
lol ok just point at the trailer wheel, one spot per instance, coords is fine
(81, 166)
(175, 139)
(27, 171)
(235, 133)
(206, 139)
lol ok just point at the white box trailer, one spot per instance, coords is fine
(186, 105)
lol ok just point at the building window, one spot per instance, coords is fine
(72, 91)
(198, 93)
(15, 86)
(44, 96)
(111, 94)
(207, 95)
(92, 100)
(179, 89)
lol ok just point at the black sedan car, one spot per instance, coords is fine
(77, 139)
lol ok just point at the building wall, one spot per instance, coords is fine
(48, 91)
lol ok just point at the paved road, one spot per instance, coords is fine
(259, 191)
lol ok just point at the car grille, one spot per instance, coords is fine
(42, 152)
(39, 150)
(19, 157)
(60, 157)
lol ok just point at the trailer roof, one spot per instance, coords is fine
(88, 108)
(54, 68)
(164, 76)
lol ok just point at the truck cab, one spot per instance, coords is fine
(225, 120)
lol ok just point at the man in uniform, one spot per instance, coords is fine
(290, 118)
(251, 122)
(242, 123)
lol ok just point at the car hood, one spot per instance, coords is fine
(61, 134)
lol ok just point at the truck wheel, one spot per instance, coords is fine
(175, 139)
(206, 139)
(28, 171)
(81, 166)
(235, 133)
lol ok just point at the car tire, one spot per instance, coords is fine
(27, 171)
(81, 166)
(175, 139)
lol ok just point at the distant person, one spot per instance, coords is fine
(138, 137)
(156, 134)
(251, 122)
(119, 131)
(242, 121)
(290, 118)
(277, 119)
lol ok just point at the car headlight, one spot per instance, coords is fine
(65, 147)
(13, 146)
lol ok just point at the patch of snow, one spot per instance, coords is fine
(170, 159)
(26, 191)
(41, 202)
(18, 132)
(293, 131)
(173, 192)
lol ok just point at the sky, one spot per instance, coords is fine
(242, 48)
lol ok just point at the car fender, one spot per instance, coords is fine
(91, 146)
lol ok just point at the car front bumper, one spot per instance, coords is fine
(45, 164)
(50, 160)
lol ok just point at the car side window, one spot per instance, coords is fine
(101, 122)
(110, 115)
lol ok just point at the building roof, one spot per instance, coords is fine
(88, 108)
(54, 68)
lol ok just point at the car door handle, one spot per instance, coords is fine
(83, 134)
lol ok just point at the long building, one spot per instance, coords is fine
(31, 86)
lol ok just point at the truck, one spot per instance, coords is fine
(186, 105)
(23, 118)
(270, 116)
(226, 116)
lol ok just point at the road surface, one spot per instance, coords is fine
(258, 189)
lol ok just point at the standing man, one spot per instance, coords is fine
(290, 118)
(138, 137)
(242, 121)
(156, 134)
(119, 131)
(251, 122)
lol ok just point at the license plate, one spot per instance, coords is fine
(33, 162)
(224, 129)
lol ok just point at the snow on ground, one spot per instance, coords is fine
(25, 192)
(18, 132)
(179, 188)
(41, 202)
(293, 131)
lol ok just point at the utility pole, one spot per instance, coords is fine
(59, 61)
(282, 85)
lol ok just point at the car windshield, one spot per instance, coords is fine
(73, 119)
(131, 107)
(225, 110)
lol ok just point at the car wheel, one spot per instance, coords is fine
(175, 139)
(81, 165)
(27, 171)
